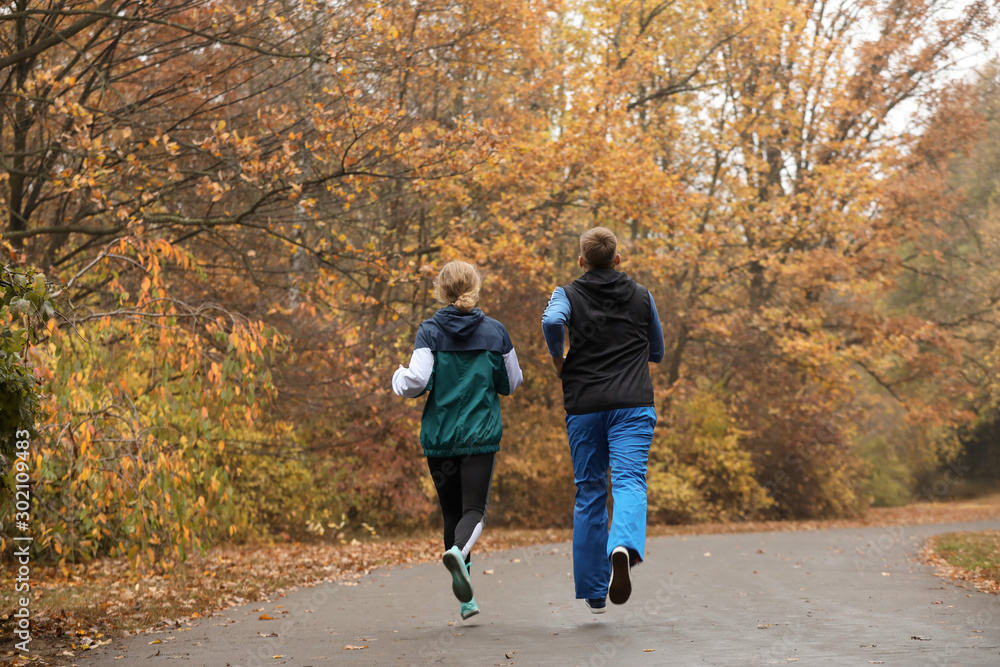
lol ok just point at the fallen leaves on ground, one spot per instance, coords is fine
(74, 605)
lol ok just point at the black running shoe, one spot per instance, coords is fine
(620, 587)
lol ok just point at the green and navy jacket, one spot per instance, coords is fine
(464, 361)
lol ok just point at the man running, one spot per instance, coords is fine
(614, 331)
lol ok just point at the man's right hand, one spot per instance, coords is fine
(557, 362)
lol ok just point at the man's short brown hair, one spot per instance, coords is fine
(599, 248)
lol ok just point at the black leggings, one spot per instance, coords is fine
(463, 488)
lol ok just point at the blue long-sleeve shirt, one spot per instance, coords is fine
(556, 317)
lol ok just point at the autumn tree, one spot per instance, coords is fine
(950, 279)
(239, 209)
(185, 171)
(749, 156)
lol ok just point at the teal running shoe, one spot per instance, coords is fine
(461, 584)
(470, 608)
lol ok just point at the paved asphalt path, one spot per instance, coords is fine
(832, 597)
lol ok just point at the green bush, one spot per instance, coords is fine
(698, 470)
(285, 494)
(24, 307)
(890, 481)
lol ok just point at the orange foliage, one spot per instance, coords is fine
(241, 206)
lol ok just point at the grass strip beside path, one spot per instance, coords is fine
(971, 556)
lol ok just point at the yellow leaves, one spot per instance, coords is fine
(526, 185)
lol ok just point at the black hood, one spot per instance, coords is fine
(459, 323)
(606, 367)
(607, 285)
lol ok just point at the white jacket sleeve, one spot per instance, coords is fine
(514, 375)
(411, 382)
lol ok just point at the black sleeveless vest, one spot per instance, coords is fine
(606, 366)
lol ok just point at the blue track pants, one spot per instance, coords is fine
(619, 439)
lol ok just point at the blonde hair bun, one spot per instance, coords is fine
(458, 284)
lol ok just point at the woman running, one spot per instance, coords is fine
(464, 361)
